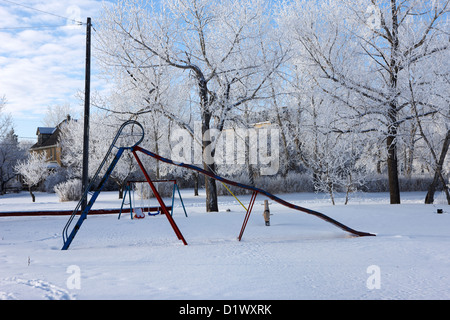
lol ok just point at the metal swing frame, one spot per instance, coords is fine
(129, 191)
(94, 191)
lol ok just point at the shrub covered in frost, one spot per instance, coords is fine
(69, 190)
(143, 190)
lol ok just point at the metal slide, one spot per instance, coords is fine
(67, 238)
(255, 192)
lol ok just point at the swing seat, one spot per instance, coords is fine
(139, 213)
(153, 214)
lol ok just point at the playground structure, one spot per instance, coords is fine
(130, 190)
(131, 124)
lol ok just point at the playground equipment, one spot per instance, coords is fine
(68, 237)
(95, 191)
(130, 190)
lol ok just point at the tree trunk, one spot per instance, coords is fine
(195, 184)
(208, 163)
(33, 198)
(331, 193)
(429, 199)
(392, 161)
(121, 191)
(211, 191)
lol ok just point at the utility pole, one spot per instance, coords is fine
(87, 102)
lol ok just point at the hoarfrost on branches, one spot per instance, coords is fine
(33, 170)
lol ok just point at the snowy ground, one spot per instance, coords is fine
(298, 257)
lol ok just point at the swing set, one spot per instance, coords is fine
(144, 192)
(133, 128)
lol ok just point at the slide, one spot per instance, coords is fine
(254, 189)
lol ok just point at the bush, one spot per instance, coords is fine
(143, 190)
(293, 182)
(55, 178)
(69, 190)
(380, 183)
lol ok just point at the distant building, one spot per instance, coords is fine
(47, 143)
(262, 125)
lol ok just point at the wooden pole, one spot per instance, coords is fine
(87, 93)
(266, 213)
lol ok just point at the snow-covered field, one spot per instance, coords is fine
(298, 257)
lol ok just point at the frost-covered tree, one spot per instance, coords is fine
(429, 85)
(57, 113)
(10, 150)
(34, 170)
(215, 52)
(5, 119)
(332, 159)
(10, 154)
(100, 139)
(360, 53)
(71, 143)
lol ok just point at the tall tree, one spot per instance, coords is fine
(10, 154)
(216, 52)
(360, 51)
(57, 113)
(5, 119)
(34, 170)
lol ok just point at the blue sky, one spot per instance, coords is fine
(42, 57)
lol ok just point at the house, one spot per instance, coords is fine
(262, 125)
(48, 142)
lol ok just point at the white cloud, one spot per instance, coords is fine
(7, 19)
(43, 66)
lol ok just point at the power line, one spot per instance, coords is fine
(45, 12)
(33, 27)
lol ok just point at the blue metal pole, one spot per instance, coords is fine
(173, 197)
(181, 199)
(92, 200)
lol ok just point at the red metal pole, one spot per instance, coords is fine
(161, 202)
(247, 215)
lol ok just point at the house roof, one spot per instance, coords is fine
(52, 140)
(51, 132)
(45, 130)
